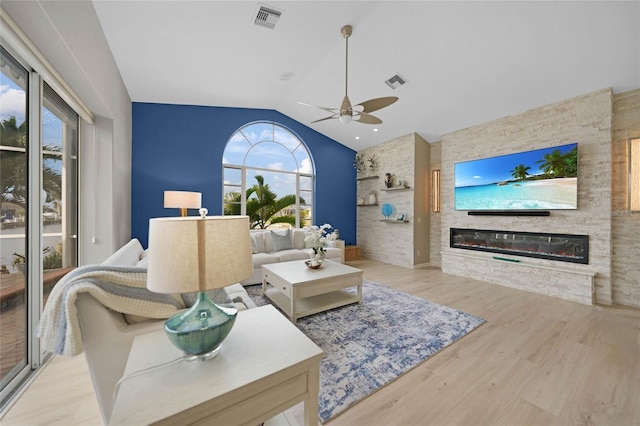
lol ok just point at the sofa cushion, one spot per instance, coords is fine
(333, 252)
(307, 244)
(254, 245)
(329, 253)
(293, 254)
(298, 238)
(239, 296)
(281, 240)
(268, 245)
(257, 242)
(128, 255)
(260, 259)
(144, 259)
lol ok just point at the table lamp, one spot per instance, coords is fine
(182, 200)
(196, 254)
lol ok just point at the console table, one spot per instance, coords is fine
(266, 366)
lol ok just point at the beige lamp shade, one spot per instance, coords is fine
(189, 254)
(182, 199)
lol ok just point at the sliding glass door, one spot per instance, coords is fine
(38, 239)
(14, 311)
(59, 188)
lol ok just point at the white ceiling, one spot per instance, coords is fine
(465, 63)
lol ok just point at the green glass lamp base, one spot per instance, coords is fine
(200, 330)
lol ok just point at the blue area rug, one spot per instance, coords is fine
(368, 346)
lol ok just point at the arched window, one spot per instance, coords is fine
(272, 167)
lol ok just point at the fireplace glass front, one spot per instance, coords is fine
(563, 247)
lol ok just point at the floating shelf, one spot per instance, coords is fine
(366, 205)
(394, 221)
(396, 188)
(366, 177)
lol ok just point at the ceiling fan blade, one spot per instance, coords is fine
(346, 105)
(326, 118)
(377, 103)
(347, 111)
(368, 119)
(333, 110)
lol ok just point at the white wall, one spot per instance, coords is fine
(70, 37)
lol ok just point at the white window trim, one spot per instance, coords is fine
(12, 35)
(243, 168)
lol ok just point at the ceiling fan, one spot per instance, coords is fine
(359, 112)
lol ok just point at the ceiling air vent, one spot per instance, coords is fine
(395, 82)
(267, 17)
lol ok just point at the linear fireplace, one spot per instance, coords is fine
(563, 247)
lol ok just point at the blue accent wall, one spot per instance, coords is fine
(180, 147)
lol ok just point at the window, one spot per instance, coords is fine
(272, 167)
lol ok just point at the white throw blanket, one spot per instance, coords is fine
(122, 289)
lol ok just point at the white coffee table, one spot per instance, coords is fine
(300, 291)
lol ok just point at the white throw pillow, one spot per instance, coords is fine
(127, 255)
(257, 239)
(298, 238)
(281, 240)
(254, 244)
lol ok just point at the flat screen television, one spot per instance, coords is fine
(542, 179)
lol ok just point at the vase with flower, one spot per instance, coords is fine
(317, 237)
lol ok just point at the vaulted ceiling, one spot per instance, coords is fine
(464, 63)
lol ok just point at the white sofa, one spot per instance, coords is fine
(107, 335)
(282, 245)
(133, 254)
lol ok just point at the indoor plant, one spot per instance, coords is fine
(318, 236)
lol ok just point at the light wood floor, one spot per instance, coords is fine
(536, 361)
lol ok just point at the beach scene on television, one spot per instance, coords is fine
(542, 179)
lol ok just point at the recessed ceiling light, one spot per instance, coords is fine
(375, 130)
(357, 137)
(286, 76)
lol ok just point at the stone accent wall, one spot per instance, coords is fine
(394, 243)
(585, 119)
(625, 224)
(567, 284)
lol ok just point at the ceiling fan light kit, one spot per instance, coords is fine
(359, 112)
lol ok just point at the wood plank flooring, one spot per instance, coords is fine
(536, 361)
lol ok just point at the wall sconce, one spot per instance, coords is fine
(435, 191)
(634, 174)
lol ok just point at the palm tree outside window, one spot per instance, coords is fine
(268, 175)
